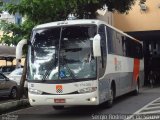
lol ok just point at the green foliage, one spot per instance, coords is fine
(121, 6)
(42, 11)
(18, 32)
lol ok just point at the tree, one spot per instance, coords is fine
(11, 33)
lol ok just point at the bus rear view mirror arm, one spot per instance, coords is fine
(19, 48)
(97, 46)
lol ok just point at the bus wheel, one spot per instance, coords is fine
(112, 93)
(136, 91)
(58, 107)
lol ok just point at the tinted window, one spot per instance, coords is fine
(119, 44)
(133, 48)
(102, 32)
(111, 40)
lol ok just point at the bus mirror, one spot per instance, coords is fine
(97, 46)
(19, 48)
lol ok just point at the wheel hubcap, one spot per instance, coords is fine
(111, 97)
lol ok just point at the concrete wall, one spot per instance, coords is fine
(138, 20)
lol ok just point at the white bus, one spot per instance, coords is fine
(82, 62)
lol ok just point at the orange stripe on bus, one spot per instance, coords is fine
(136, 68)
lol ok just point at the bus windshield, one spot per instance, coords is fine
(62, 53)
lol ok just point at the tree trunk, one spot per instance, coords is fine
(22, 81)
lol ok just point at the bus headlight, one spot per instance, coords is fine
(34, 91)
(87, 90)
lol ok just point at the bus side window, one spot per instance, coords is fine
(134, 49)
(123, 45)
(129, 45)
(119, 46)
(110, 40)
(102, 32)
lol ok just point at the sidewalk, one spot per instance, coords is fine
(12, 105)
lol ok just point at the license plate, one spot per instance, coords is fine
(59, 100)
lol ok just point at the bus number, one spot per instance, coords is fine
(83, 85)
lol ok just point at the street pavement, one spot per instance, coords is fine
(150, 111)
(124, 105)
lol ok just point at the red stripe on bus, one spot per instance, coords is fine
(136, 69)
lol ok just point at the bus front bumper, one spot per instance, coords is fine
(75, 99)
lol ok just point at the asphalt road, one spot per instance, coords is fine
(124, 105)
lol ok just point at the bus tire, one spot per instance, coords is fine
(58, 107)
(110, 102)
(136, 91)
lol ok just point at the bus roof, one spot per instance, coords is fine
(67, 23)
(80, 22)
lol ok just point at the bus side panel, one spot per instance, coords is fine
(120, 70)
(103, 84)
(119, 79)
(122, 67)
(138, 74)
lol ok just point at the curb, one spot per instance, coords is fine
(13, 105)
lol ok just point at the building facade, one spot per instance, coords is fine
(17, 18)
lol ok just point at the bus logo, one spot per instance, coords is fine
(117, 64)
(59, 88)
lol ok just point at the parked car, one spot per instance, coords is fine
(16, 75)
(6, 70)
(8, 87)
